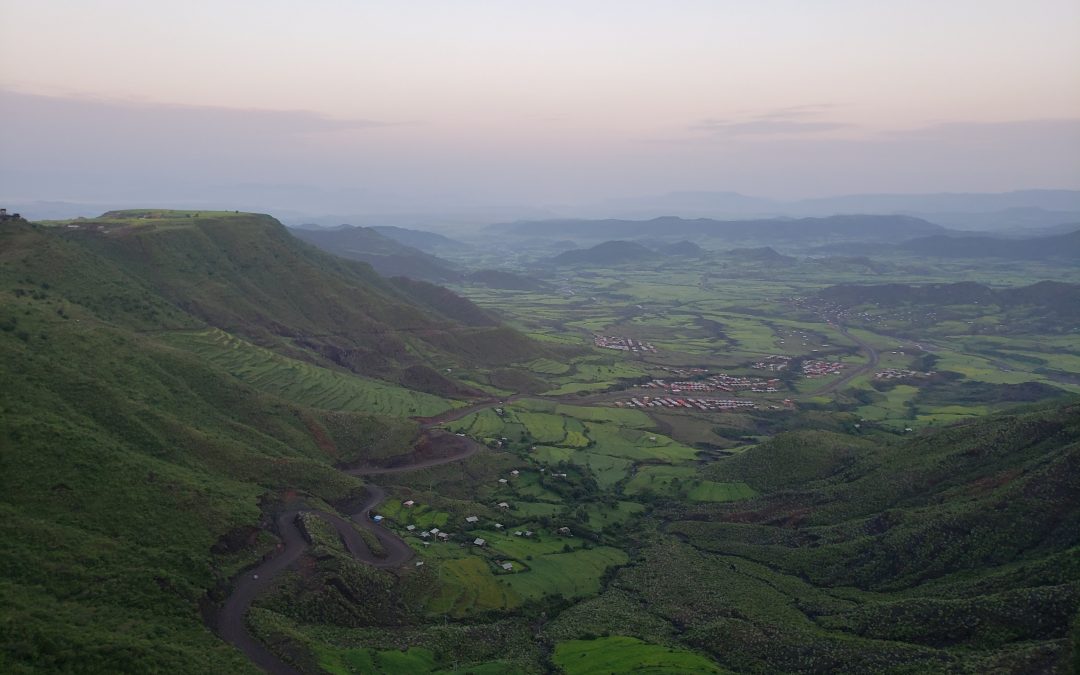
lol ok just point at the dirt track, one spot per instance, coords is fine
(231, 624)
(870, 365)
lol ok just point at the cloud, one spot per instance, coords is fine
(767, 126)
(796, 111)
(80, 111)
(786, 121)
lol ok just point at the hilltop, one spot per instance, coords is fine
(607, 253)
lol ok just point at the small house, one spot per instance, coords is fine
(503, 481)
(509, 567)
(434, 530)
(528, 533)
(425, 535)
(498, 526)
(564, 531)
(472, 519)
(443, 535)
(410, 528)
(478, 542)
(503, 505)
(377, 519)
(515, 472)
(419, 563)
(518, 533)
(409, 503)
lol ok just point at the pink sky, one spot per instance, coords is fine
(539, 102)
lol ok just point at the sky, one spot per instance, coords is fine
(432, 104)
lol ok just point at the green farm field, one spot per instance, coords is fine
(618, 654)
(304, 383)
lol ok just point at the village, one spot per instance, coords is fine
(623, 344)
(703, 404)
(719, 382)
(810, 369)
(815, 369)
(775, 363)
(899, 373)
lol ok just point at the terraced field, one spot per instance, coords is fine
(409, 661)
(570, 575)
(607, 469)
(683, 481)
(467, 585)
(304, 383)
(618, 654)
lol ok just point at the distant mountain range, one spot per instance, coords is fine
(607, 253)
(983, 211)
(955, 245)
(429, 242)
(1061, 298)
(386, 254)
(850, 228)
(1065, 246)
(1016, 210)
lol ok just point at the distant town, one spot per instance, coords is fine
(704, 404)
(624, 344)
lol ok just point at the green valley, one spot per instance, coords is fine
(226, 450)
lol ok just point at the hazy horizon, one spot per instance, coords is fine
(497, 105)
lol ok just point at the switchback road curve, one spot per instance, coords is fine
(231, 625)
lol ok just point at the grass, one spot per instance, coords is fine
(360, 661)
(542, 427)
(602, 515)
(619, 654)
(607, 469)
(570, 575)
(710, 491)
(421, 515)
(466, 586)
(304, 383)
(637, 445)
(686, 482)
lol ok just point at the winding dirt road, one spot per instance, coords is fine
(871, 364)
(231, 624)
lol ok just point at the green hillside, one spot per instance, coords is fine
(146, 435)
(954, 550)
(246, 274)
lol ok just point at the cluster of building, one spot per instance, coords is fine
(5, 216)
(705, 404)
(434, 533)
(685, 372)
(774, 363)
(814, 369)
(623, 344)
(899, 373)
(720, 382)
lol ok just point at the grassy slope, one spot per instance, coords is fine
(133, 471)
(244, 273)
(963, 539)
